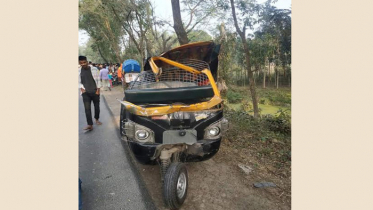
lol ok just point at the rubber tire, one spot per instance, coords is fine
(170, 198)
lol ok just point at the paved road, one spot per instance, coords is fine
(109, 178)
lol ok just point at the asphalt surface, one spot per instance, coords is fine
(109, 178)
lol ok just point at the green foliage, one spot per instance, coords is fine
(103, 29)
(268, 127)
(247, 106)
(130, 29)
(199, 36)
(264, 101)
(279, 99)
(226, 54)
(280, 123)
(268, 98)
(275, 97)
(267, 137)
(234, 97)
(275, 28)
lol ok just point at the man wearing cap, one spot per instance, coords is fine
(89, 84)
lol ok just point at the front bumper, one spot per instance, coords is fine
(200, 151)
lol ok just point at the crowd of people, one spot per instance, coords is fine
(109, 74)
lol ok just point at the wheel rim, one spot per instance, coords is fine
(181, 185)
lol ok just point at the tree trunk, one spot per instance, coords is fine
(221, 74)
(254, 76)
(237, 77)
(269, 75)
(276, 75)
(178, 24)
(101, 54)
(264, 71)
(142, 53)
(260, 67)
(243, 77)
(247, 58)
(114, 44)
(278, 78)
(275, 70)
(278, 59)
(264, 78)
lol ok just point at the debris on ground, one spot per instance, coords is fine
(246, 169)
(264, 184)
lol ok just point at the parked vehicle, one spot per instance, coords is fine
(131, 69)
(172, 113)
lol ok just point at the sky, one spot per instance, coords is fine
(163, 10)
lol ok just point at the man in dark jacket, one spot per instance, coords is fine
(89, 84)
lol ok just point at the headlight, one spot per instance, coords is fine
(142, 134)
(214, 131)
(138, 132)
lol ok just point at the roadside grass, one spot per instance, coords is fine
(270, 100)
(264, 143)
(272, 132)
(268, 137)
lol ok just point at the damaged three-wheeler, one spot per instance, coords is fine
(172, 113)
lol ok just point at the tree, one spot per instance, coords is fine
(93, 54)
(199, 11)
(178, 23)
(227, 43)
(277, 23)
(133, 17)
(102, 28)
(248, 8)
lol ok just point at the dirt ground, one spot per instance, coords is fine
(219, 183)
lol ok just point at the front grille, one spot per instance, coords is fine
(173, 77)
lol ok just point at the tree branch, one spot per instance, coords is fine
(197, 22)
(235, 19)
(125, 28)
(98, 47)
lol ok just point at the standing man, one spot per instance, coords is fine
(89, 84)
(104, 77)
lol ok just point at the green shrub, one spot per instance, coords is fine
(264, 101)
(280, 123)
(234, 97)
(279, 99)
(274, 97)
(247, 106)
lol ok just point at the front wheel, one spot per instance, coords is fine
(175, 185)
